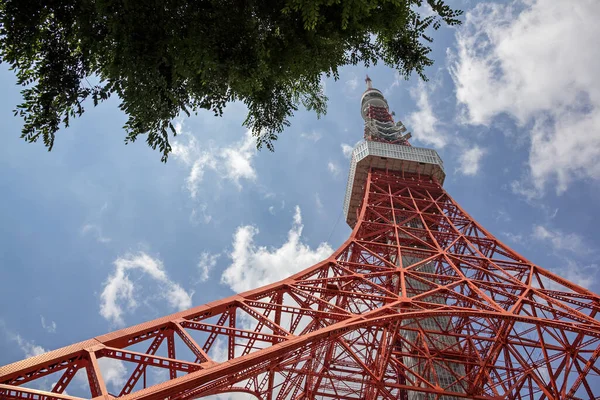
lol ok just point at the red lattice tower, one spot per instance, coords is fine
(420, 302)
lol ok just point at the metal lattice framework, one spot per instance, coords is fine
(420, 302)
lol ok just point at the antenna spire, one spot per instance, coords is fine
(369, 83)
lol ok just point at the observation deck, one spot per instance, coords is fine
(393, 157)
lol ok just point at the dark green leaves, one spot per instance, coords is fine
(167, 57)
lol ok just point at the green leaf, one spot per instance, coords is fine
(163, 58)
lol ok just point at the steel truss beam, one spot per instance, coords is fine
(419, 301)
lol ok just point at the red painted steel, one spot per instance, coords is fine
(420, 302)
(382, 115)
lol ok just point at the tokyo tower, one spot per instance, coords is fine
(421, 302)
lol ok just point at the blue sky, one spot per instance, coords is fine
(95, 233)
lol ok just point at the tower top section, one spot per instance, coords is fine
(385, 147)
(372, 98)
(379, 122)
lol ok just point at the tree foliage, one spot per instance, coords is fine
(167, 57)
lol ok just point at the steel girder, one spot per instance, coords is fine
(420, 302)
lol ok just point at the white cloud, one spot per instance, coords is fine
(113, 372)
(423, 122)
(512, 237)
(533, 61)
(272, 210)
(96, 231)
(469, 161)
(186, 153)
(502, 216)
(231, 162)
(396, 83)
(204, 160)
(334, 169)
(582, 275)
(253, 266)
(318, 202)
(177, 297)
(29, 348)
(561, 241)
(523, 188)
(314, 136)
(119, 294)
(347, 150)
(48, 327)
(199, 214)
(238, 160)
(206, 263)
(231, 396)
(352, 84)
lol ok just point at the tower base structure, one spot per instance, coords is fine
(420, 302)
